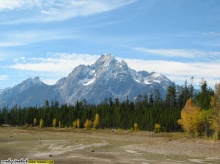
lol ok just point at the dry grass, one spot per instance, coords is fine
(68, 145)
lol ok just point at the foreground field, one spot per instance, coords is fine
(105, 146)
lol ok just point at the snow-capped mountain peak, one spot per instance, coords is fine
(104, 61)
(106, 78)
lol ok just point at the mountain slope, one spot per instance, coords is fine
(30, 92)
(107, 77)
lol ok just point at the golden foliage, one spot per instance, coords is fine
(157, 128)
(60, 125)
(190, 116)
(41, 123)
(54, 122)
(96, 121)
(35, 121)
(75, 123)
(88, 124)
(135, 126)
(78, 123)
(215, 112)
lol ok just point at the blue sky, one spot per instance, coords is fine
(50, 38)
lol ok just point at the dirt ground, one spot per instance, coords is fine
(105, 146)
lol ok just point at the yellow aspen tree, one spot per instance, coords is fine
(96, 121)
(35, 121)
(88, 124)
(60, 124)
(135, 126)
(190, 118)
(157, 128)
(41, 123)
(215, 112)
(54, 122)
(78, 123)
(75, 123)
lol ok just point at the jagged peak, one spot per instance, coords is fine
(105, 60)
(107, 57)
(35, 80)
(107, 77)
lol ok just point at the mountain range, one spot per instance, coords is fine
(106, 78)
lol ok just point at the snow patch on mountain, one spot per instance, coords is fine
(87, 81)
(146, 81)
(156, 75)
(156, 81)
(89, 76)
(90, 82)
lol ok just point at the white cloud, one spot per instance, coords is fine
(15, 4)
(57, 66)
(179, 71)
(59, 10)
(10, 44)
(63, 63)
(180, 53)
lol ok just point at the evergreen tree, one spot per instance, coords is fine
(171, 96)
(204, 97)
(151, 99)
(184, 95)
(191, 88)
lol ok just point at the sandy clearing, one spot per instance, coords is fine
(105, 146)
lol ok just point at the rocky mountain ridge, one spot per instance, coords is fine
(107, 77)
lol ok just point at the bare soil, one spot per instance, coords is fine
(66, 145)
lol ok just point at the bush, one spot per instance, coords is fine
(157, 128)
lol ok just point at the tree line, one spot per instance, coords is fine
(202, 116)
(146, 112)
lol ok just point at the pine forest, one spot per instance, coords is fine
(197, 113)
